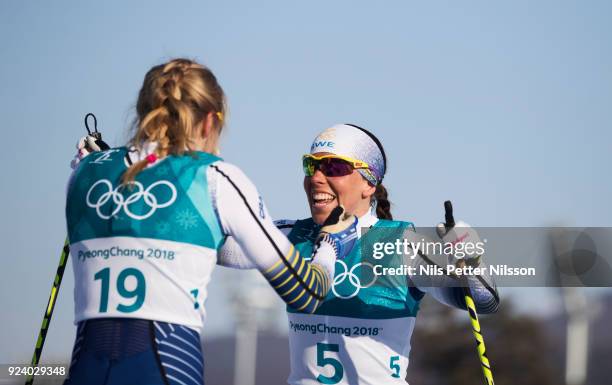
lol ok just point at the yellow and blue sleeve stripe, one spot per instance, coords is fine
(299, 283)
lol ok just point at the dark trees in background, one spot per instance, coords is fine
(444, 349)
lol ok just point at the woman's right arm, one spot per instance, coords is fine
(447, 288)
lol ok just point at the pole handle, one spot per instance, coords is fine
(448, 215)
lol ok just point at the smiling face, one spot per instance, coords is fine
(325, 193)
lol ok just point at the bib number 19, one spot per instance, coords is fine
(138, 292)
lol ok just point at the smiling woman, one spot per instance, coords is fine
(346, 166)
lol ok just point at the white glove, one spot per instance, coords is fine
(85, 146)
(340, 230)
(467, 243)
(338, 234)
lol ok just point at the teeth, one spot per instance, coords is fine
(318, 197)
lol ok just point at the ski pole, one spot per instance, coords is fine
(42, 334)
(471, 307)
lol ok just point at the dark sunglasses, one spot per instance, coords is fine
(331, 165)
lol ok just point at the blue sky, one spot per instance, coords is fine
(502, 107)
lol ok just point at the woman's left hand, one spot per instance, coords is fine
(85, 146)
(465, 234)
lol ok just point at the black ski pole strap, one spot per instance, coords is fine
(95, 133)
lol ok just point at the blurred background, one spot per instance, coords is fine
(502, 107)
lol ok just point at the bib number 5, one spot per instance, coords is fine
(394, 366)
(138, 292)
(323, 361)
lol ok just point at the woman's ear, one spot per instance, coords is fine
(208, 125)
(211, 134)
(369, 191)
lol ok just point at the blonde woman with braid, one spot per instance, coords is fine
(145, 224)
(361, 334)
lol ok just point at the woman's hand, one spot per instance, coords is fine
(462, 233)
(340, 230)
(85, 146)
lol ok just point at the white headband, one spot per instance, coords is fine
(348, 140)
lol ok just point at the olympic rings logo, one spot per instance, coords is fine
(122, 202)
(352, 277)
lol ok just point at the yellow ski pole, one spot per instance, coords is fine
(42, 334)
(471, 307)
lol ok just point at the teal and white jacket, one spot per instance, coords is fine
(148, 250)
(361, 333)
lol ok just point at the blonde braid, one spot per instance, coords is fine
(174, 99)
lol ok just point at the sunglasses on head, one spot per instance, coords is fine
(331, 165)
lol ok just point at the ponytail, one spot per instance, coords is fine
(130, 174)
(383, 206)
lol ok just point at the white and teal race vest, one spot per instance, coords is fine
(361, 333)
(147, 250)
